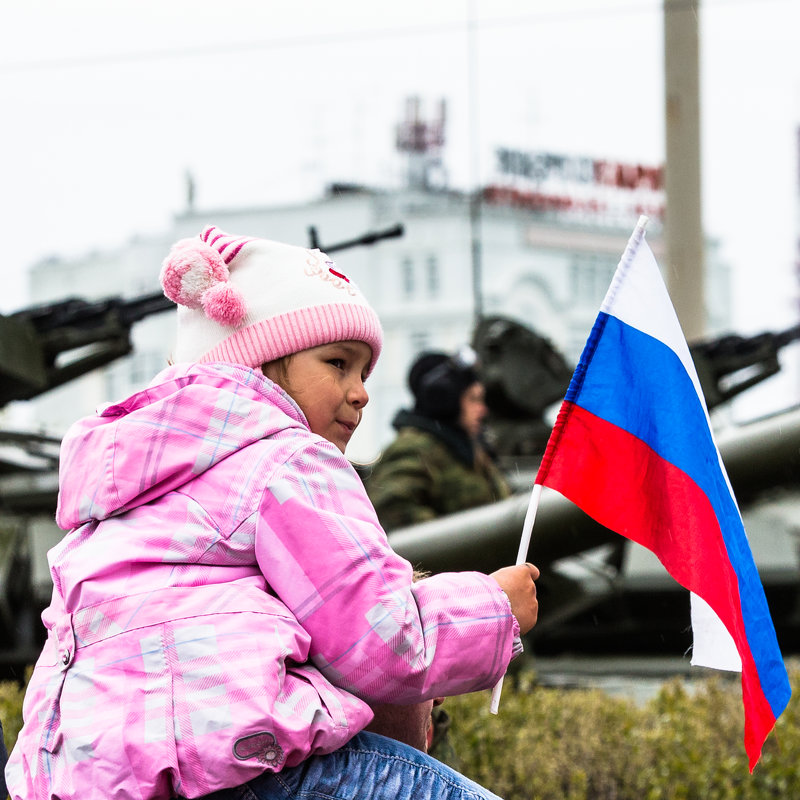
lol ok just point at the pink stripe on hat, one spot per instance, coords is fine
(226, 245)
(299, 330)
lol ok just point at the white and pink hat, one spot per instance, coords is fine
(248, 301)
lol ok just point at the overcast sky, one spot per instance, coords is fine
(106, 105)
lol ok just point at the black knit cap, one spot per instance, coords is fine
(437, 382)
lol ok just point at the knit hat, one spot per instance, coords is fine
(243, 300)
(438, 380)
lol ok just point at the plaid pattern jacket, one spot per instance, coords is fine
(225, 601)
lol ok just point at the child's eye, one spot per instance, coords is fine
(336, 362)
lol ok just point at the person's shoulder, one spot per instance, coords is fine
(414, 435)
(411, 441)
(302, 455)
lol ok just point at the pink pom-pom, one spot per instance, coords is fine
(190, 270)
(224, 303)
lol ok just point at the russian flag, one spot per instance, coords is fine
(633, 447)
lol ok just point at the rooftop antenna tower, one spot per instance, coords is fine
(423, 141)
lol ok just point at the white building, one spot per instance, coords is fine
(544, 262)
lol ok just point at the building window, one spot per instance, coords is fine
(432, 273)
(407, 273)
(590, 276)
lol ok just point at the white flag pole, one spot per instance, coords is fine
(522, 557)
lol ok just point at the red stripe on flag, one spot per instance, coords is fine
(625, 485)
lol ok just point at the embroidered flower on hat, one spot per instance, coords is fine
(318, 264)
(196, 276)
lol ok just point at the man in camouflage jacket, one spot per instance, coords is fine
(436, 465)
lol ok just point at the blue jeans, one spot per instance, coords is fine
(368, 766)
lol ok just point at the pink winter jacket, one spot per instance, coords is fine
(226, 602)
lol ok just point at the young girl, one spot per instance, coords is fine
(226, 607)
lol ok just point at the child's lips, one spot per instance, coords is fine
(349, 426)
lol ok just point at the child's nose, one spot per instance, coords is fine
(358, 395)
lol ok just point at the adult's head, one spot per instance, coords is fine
(448, 388)
(250, 301)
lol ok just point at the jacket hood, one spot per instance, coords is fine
(190, 418)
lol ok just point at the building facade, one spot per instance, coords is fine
(544, 264)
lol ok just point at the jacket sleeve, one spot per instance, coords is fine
(374, 631)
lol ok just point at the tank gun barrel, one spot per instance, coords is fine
(35, 342)
(728, 365)
(372, 237)
(88, 315)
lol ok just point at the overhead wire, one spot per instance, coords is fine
(370, 34)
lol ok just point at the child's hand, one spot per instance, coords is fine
(518, 583)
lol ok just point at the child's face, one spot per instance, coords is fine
(327, 382)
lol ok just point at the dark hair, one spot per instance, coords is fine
(438, 381)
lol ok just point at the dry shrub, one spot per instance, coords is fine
(686, 743)
(11, 694)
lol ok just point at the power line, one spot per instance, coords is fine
(343, 37)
